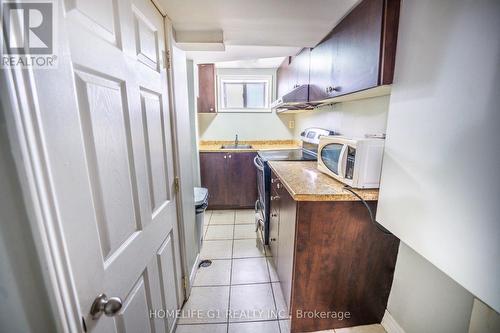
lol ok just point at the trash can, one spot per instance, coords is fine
(200, 204)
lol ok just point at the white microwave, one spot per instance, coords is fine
(355, 162)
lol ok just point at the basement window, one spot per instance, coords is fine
(244, 93)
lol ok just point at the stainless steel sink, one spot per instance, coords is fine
(236, 146)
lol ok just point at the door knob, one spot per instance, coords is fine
(103, 304)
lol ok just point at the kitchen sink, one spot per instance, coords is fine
(236, 146)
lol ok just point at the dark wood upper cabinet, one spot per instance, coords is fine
(300, 68)
(293, 72)
(206, 88)
(284, 78)
(359, 53)
(231, 179)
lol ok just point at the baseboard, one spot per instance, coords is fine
(390, 324)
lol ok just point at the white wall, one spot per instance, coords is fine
(440, 180)
(483, 319)
(24, 302)
(423, 299)
(193, 120)
(248, 126)
(355, 118)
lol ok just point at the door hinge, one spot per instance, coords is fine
(166, 55)
(177, 184)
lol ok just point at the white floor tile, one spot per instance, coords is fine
(251, 270)
(376, 328)
(218, 273)
(222, 217)
(280, 301)
(245, 216)
(217, 232)
(255, 327)
(285, 326)
(246, 248)
(245, 231)
(206, 305)
(272, 270)
(217, 249)
(251, 303)
(203, 328)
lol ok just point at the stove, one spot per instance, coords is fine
(308, 152)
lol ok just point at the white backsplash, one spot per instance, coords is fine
(355, 118)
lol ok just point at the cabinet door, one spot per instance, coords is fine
(357, 40)
(283, 78)
(213, 172)
(274, 218)
(286, 243)
(300, 68)
(242, 180)
(321, 69)
(206, 87)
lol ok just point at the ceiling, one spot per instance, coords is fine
(257, 28)
(252, 63)
(241, 52)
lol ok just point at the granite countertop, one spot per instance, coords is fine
(215, 146)
(305, 182)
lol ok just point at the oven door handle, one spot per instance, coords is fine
(256, 161)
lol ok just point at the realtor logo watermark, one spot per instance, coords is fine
(28, 34)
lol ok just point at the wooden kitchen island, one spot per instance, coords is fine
(335, 267)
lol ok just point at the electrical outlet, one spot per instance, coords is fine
(291, 124)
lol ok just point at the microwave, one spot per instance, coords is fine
(354, 162)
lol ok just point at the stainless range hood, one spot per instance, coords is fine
(297, 99)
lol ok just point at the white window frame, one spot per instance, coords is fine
(244, 78)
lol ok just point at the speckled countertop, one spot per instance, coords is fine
(305, 182)
(215, 146)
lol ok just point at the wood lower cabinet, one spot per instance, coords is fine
(331, 261)
(231, 179)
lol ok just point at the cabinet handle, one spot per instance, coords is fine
(229, 155)
(225, 156)
(273, 239)
(276, 197)
(274, 215)
(331, 89)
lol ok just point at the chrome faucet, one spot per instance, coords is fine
(236, 140)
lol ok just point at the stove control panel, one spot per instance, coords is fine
(312, 134)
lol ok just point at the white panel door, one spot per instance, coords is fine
(105, 119)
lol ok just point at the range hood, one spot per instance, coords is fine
(297, 99)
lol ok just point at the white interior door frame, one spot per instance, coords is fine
(27, 145)
(176, 146)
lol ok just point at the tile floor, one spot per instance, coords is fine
(241, 279)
